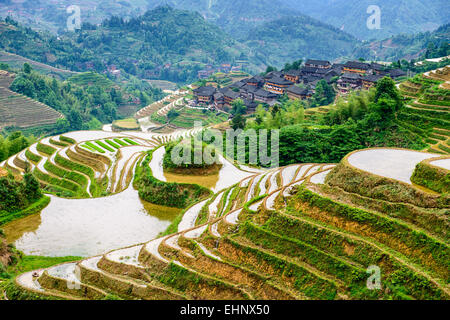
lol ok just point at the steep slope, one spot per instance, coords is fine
(19, 111)
(397, 16)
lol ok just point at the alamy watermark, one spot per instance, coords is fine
(246, 147)
(374, 281)
(74, 20)
(374, 20)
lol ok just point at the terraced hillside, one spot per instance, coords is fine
(20, 111)
(428, 110)
(306, 231)
(86, 164)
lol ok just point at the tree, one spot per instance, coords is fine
(27, 68)
(238, 122)
(23, 86)
(324, 94)
(386, 88)
(75, 120)
(172, 114)
(238, 107)
(31, 188)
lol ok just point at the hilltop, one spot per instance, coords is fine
(163, 43)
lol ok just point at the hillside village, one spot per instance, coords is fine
(296, 84)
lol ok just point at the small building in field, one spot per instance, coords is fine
(322, 64)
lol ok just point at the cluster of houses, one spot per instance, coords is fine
(296, 84)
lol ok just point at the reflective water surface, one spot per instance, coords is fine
(88, 227)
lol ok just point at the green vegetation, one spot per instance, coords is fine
(93, 147)
(132, 142)
(432, 177)
(95, 44)
(366, 119)
(112, 144)
(288, 38)
(195, 155)
(14, 143)
(45, 149)
(104, 146)
(186, 117)
(163, 193)
(417, 46)
(19, 198)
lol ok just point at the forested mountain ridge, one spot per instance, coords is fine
(397, 16)
(164, 42)
(422, 45)
(290, 38)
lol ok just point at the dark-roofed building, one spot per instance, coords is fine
(219, 100)
(277, 85)
(307, 71)
(357, 67)
(295, 92)
(239, 84)
(250, 105)
(256, 81)
(205, 94)
(293, 76)
(229, 95)
(322, 64)
(265, 96)
(248, 91)
(370, 80)
(376, 67)
(349, 81)
(396, 73)
(272, 74)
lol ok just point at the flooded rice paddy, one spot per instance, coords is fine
(88, 227)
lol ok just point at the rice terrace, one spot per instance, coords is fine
(330, 179)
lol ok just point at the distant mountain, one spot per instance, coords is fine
(237, 17)
(397, 16)
(422, 45)
(163, 43)
(291, 38)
